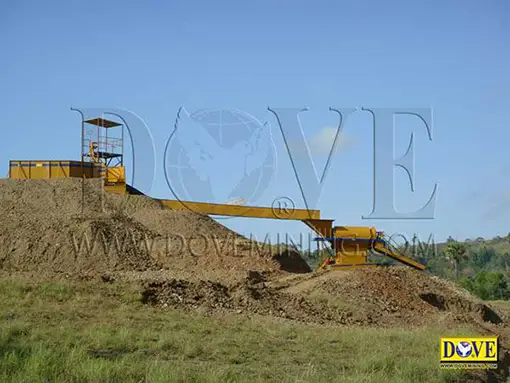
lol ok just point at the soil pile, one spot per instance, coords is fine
(72, 226)
(252, 296)
(189, 261)
(396, 295)
(385, 297)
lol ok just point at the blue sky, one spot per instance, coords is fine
(152, 58)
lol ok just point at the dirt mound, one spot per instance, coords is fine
(396, 295)
(252, 296)
(385, 297)
(72, 226)
(190, 261)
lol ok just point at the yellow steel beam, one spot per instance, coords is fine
(242, 211)
(398, 257)
(323, 227)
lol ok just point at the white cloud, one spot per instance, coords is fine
(322, 142)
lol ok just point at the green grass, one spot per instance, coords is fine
(95, 333)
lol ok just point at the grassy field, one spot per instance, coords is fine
(91, 332)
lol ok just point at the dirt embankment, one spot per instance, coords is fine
(71, 226)
(384, 297)
(189, 261)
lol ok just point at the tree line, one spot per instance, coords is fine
(482, 267)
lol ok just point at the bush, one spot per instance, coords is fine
(487, 285)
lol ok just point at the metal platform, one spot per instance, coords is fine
(107, 155)
(102, 122)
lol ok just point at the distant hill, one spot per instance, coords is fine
(501, 244)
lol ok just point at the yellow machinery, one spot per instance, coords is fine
(52, 169)
(350, 245)
(106, 151)
(102, 157)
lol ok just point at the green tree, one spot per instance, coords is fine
(487, 285)
(505, 260)
(455, 252)
(423, 251)
(483, 257)
(468, 283)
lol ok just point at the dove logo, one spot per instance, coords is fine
(479, 349)
(464, 349)
(219, 156)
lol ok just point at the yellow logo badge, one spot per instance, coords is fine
(469, 350)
